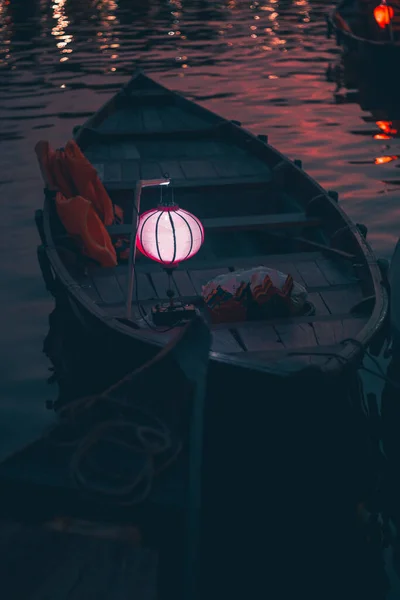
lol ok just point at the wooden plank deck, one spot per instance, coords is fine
(332, 291)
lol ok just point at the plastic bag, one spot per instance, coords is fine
(253, 294)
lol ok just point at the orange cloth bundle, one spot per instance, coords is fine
(82, 202)
(70, 172)
(82, 222)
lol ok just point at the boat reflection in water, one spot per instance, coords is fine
(379, 96)
(338, 550)
(75, 359)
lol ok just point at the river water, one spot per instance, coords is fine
(263, 63)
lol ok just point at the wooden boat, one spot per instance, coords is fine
(257, 207)
(357, 32)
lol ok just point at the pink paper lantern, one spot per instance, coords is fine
(169, 235)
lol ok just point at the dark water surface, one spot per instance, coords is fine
(263, 63)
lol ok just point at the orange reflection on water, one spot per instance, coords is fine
(108, 37)
(381, 160)
(4, 25)
(387, 127)
(382, 136)
(62, 22)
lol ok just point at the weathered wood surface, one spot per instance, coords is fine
(74, 560)
(332, 291)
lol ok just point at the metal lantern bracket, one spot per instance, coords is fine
(140, 184)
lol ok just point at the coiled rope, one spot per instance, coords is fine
(117, 448)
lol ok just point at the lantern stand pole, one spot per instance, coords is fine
(389, 25)
(140, 184)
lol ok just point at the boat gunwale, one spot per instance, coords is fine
(351, 352)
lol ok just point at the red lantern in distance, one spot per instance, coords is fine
(383, 15)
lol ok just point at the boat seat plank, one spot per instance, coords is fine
(194, 183)
(249, 223)
(224, 342)
(333, 332)
(300, 335)
(107, 285)
(311, 273)
(201, 277)
(259, 336)
(262, 222)
(196, 169)
(342, 300)
(333, 273)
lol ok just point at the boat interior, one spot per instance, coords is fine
(257, 208)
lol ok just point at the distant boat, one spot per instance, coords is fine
(357, 32)
(257, 207)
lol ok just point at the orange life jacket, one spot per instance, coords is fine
(70, 172)
(81, 221)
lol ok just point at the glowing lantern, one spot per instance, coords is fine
(383, 14)
(168, 234)
(381, 160)
(387, 127)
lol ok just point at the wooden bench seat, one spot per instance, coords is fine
(250, 222)
(196, 182)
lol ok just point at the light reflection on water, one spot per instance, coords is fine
(263, 63)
